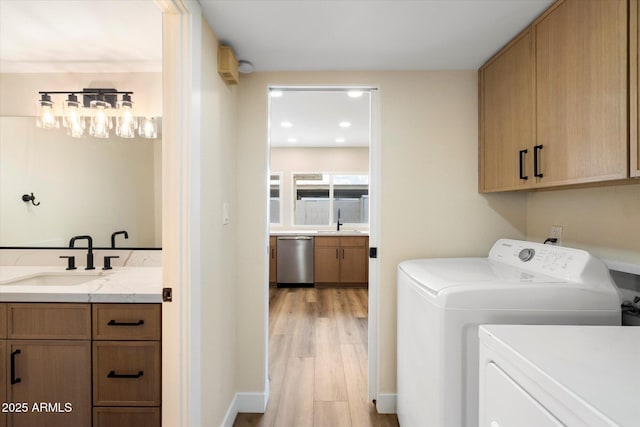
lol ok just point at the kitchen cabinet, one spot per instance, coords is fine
(634, 81)
(48, 350)
(575, 56)
(126, 365)
(273, 253)
(341, 260)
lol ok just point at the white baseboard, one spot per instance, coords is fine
(245, 402)
(386, 403)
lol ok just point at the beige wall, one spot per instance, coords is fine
(430, 205)
(602, 220)
(218, 249)
(288, 161)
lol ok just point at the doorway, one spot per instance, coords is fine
(323, 176)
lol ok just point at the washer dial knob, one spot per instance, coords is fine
(526, 254)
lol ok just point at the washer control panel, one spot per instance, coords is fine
(547, 259)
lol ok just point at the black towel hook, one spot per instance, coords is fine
(30, 198)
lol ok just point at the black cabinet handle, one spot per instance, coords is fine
(14, 380)
(113, 374)
(522, 153)
(114, 323)
(536, 155)
(272, 254)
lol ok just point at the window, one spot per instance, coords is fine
(319, 196)
(274, 199)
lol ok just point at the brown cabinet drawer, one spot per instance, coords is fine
(327, 241)
(126, 417)
(48, 321)
(3, 321)
(126, 373)
(126, 322)
(353, 241)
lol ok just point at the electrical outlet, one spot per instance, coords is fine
(556, 232)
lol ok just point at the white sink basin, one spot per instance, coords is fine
(56, 279)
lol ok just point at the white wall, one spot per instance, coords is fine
(602, 220)
(429, 198)
(288, 161)
(218, 248)
(84, 186)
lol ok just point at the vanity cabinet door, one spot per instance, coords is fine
(3, 380)
(53, 378)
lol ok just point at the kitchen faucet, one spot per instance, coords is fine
(90, 249)
(339, 221)
(113, 237)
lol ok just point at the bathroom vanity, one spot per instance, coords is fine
(85, 353)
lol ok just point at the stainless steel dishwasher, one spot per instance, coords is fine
(294, 261)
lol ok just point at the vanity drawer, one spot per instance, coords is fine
(126, 417)
(3, 321)
(126, 373)
(48, 321)
(126, 322)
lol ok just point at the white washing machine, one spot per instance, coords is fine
(441, 302)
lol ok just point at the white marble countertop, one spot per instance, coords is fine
(119, 285)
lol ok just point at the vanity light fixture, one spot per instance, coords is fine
(98, 107)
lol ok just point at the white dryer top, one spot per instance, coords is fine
(590, 370)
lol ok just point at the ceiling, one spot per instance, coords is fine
(286, 35)
(306, 35)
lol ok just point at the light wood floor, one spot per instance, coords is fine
(318, 361)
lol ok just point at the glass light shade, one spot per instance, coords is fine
(126, 123)
(73, 118)
(100, 119)
(45, 117)
(148, 128)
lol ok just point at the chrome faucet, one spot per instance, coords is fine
(113, 237)
(89, 252)
(339, 221)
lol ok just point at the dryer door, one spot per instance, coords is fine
(508, 405)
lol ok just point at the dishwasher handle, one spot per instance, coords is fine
(295, 238)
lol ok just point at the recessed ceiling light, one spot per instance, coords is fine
(339, 139)
(292, 140)
(354, 93)
(286, 124)
(345, 124)
(275, 93)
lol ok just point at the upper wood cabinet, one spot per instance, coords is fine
(634, 82)
(507, 117)
(574, 59)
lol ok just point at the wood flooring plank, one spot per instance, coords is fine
(295, 407)
(331, 414)
(303, 342)
(325, 302)
(329, 383)
(357, 304)
(284, 316)
(347, 326)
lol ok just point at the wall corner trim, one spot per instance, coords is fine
(244, 402)
(386, 403)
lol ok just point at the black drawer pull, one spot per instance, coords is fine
(113, 374)
(14, 380)
(522, 153)
(536, 155)
(114, 323)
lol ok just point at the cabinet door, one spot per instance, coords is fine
(273, 241)
(3, 380)
(53, 375)
(581, 81)
(634, 80)
(353, 265)
(326, 268)
(507, 117)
